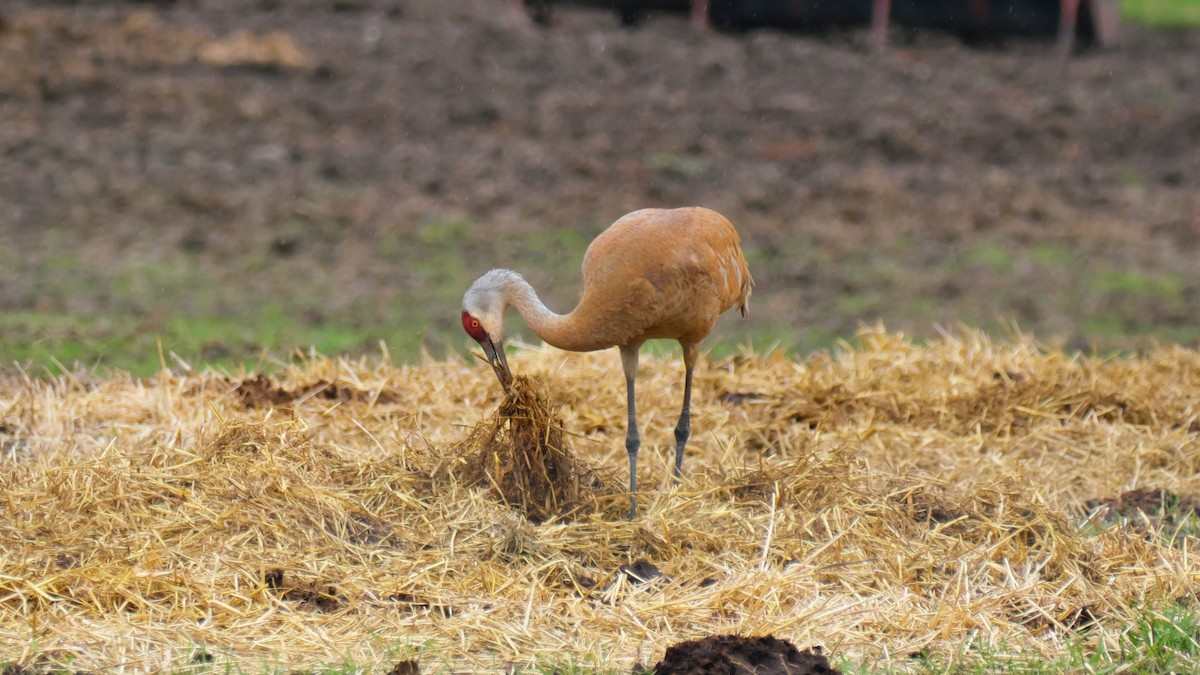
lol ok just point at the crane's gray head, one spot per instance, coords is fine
(483, 317)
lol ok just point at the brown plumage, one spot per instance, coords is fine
(653, 274)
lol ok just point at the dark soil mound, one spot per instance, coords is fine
(733, 654)
(1154, 503)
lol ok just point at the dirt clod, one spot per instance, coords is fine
(261, 391)
(737, 398)
(315, 596)
(51, 662)
(311, 596)
(641, 571)
(734, 655)
(1082, 618)
(273, 578)
(415, 603)
(1155, 503)
(405, 668)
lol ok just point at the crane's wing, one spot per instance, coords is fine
(664, 274)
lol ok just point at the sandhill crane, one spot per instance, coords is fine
(652, 274)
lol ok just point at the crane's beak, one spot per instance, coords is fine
(495, 356)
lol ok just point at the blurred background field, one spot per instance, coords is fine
(296, 175)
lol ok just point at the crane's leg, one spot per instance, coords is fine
(516, 13)
(683, 430)
(629, 361)
(700, 14)
(881, 12)
(1067, 18)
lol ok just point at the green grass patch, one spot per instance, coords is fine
(679, 164)
(991, 255)
(1052, 256)
(49, 343)
(261, 304)
(1174, 13)
(1160, 640)
(1168, 287)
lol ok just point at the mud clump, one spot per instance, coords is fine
(52, 662)
(642, 571)
(734, 655)
(415, 603)
(261, 391)
(521, 453)
(309, 596)
(1156, 504)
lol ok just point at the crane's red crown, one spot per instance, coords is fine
(473, 327)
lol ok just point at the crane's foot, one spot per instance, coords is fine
(681, 438)
(633, 477)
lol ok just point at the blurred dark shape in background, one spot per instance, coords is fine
(1092, 21)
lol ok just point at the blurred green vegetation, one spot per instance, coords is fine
(260, 306)
(1158, 640)
(1178, 13)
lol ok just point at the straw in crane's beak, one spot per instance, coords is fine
(495, 356)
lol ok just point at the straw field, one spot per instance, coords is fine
(955, 499)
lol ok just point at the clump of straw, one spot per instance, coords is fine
(523, 455)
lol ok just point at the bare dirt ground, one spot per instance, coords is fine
(324, 159)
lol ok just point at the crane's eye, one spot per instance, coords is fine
(473, 327)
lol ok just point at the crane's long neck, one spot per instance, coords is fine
(558, 330)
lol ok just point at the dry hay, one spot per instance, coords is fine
(880, 501)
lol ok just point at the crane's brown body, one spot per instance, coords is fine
(653, 274)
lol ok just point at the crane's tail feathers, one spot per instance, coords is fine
(747, 287)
